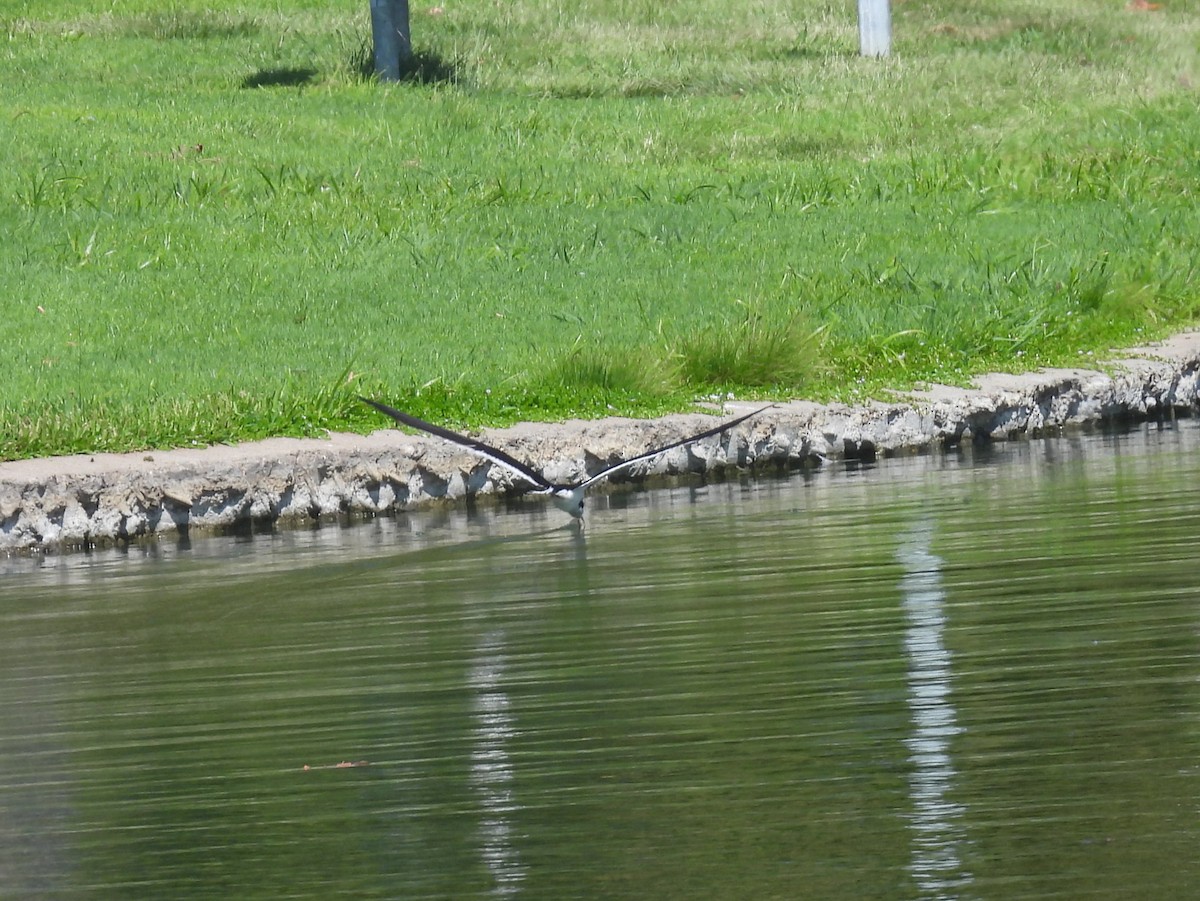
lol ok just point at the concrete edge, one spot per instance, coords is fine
(89, 500)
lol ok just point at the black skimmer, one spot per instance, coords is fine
(566, 497)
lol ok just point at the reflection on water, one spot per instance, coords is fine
(937, 821)
(492, 768)
(967, 675)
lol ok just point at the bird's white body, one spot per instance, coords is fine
(569, 500)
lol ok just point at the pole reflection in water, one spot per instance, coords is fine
(491, 767)
(936, 821)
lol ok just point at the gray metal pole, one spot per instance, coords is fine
(874, 27)
(393, 40)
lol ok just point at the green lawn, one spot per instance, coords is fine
(214, 226)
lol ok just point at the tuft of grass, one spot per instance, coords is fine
(757, 350)
(591, 369)
(190, 25)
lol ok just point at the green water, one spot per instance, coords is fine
(964, 676)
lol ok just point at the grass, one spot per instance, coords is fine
(216, 227)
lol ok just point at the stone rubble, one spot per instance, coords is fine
(88, 500)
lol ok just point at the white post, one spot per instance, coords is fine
(874, 27)
(393, 41)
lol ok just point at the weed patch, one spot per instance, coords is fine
(758, 351)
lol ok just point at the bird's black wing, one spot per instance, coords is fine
(716, 430)
(478, 447)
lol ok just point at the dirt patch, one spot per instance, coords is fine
(84, 500)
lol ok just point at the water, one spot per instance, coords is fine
(964, 676)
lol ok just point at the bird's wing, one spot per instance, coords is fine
(716, 430)
(478, 447)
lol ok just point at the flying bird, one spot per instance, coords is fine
(567, 497)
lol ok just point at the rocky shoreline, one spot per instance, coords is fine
(82, 501)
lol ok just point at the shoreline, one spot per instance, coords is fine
(89, 500)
